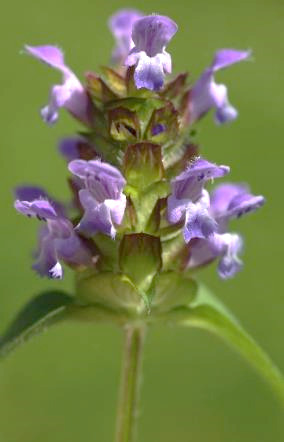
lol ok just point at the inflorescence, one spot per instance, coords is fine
(138, 182)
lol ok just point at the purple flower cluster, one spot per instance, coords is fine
(205, 217)
(101, 192)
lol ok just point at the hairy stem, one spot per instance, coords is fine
(130, 382)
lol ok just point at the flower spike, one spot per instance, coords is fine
(70, 94)
(151, 35)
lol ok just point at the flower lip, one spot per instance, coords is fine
(39, 208)
(30, 193)
(121, 24)
(234, 200)
(48, 54)
(56, 272)
(227, 246)
(203, 170)
(198, 221)
(245, 203)
(152, 34)
(225, 57)
(189, 184)
(84, 169)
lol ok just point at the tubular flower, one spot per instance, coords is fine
(151, 35)
(102, 198)
(227, 201)
(189, 201)
(207, 94)
(70, 94)
(72, 148)
(57, 239)
(121, 25)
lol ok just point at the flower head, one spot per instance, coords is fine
(207, 94)
(151, 35)
(146, 137)
(102, 198)
(70, 94)
(121, 25)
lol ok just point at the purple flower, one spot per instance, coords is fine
(70, 94)
(68, 147)
(57, 239)
(227, 246)
(158, 129)
(151, 35)
(102, 198)
(121, 25)
(232, 201)
(73, 148)
(228, 201)
(30, 193)
(207, 94)
(189, 202)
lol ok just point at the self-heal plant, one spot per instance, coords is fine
(141, 219)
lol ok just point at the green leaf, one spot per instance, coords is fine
(42, 311)
(208, 313)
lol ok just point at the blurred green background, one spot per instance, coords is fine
(62, 386)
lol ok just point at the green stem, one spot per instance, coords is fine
(130, 383)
